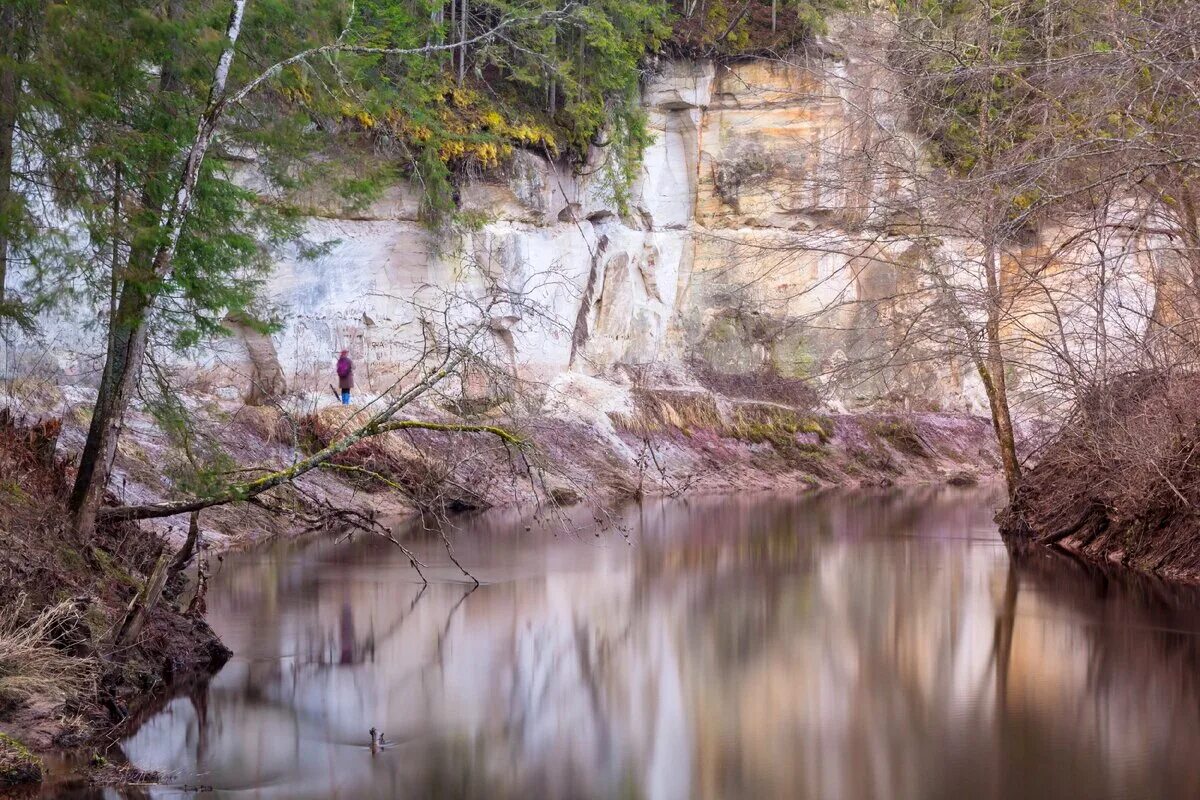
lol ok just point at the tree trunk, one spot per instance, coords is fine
(997, 395)
(9, 95)
(184, 556)
(464, 14)
(995, 382)
(143, 603)
(122, 371)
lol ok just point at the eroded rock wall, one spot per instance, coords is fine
(754, 242)
(711, 265)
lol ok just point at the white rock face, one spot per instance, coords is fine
(551, 233)
(734, 254)
(710, 232)
(650, 287)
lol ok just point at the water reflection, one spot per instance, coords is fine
(842, 646)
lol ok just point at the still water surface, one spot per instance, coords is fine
(846, 645)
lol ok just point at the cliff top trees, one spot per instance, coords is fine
(711, 28)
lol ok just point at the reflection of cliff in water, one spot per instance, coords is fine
(857, 645)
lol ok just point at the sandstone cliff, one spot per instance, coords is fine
(710, 269)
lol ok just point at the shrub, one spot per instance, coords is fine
(1122, 476)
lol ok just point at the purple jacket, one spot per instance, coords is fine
(345, 371)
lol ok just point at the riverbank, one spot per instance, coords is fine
(81, 653)
(1118, 484)
(665, 441)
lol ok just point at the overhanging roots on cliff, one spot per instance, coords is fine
(1121, 481)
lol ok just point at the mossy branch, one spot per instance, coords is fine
(250, 489)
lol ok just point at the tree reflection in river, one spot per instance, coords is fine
(845, 645)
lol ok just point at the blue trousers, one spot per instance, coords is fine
(345, 397)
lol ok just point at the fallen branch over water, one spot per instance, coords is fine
(252, 489)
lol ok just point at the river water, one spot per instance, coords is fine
(866, 644)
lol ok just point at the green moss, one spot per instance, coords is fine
(17, 763)
(113, 571)
(71, 559)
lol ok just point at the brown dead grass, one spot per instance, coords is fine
(765, 385)
(903, 435)
(33, 661)
(659, 411)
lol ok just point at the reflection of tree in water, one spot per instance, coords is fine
(833, 691)
(1137, 682)
(733, 566)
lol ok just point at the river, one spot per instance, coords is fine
(865, 644)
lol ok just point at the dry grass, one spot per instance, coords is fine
(660, 411)
(903, 435)
(34, 662)
(767, 385)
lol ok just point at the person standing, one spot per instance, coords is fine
(345, 372)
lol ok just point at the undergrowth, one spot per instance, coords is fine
(1120, 480)
(62, 601)
(422, 466)
(664, 411)
(903, 435)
